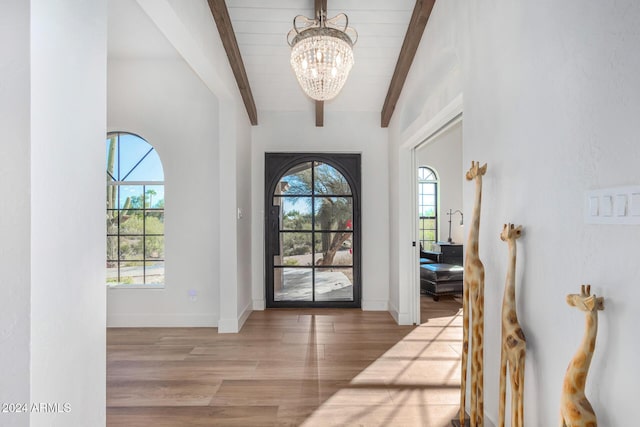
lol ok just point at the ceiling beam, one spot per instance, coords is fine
(419, 18)
(223, 22)
(319, 6)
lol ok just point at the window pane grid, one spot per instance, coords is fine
(316, 222)
(135, 213)
(427, 207)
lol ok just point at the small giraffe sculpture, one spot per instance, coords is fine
(575, 409)
(473, 293)
(513, 341)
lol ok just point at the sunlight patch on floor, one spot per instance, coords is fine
(415, 382)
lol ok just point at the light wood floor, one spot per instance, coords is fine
(288, 368)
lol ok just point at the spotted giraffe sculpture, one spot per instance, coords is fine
(513, 349)
(575, 409)
(473, 299)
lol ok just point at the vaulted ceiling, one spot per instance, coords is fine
(388, 35)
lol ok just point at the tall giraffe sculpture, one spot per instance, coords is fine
(575, 409)
(473, 298)
(513, 341)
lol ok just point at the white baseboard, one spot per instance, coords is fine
(393, 310)
(245, 315)
(400, 318)
(259, 305)
(233, 326)
(375, 305)
(404, 319)
(162, 320)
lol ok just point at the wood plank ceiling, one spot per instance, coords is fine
(254, 35)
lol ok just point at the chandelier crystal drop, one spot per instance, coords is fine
(322, 54)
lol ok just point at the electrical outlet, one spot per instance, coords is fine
(193, 295)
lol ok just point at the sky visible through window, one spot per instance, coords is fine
(149, 169)
(138, 162)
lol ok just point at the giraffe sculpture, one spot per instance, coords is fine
(575, 409)
(473, 298)
(513, 348)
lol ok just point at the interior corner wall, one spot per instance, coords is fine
(164, 102)
(244, 234)
(342, 132)
(549, 105)
(68, 297)
(393, 165)
(15, 305)
(444, 155)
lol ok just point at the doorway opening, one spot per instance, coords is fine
(438, 257)
(312, 238)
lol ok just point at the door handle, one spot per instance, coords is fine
(274, 220)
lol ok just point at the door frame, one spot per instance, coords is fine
(441, 122)
(349, 165)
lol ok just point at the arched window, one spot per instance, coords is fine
(135, 211)
(428, 206)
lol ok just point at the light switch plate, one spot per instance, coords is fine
(594, 206)
(607, 205)
(635, 205)
(619, 205)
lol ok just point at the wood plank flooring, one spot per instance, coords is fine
(290, 368)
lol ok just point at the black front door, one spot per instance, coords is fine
(312, 230)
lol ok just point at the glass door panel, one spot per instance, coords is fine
(311, 227)
(333, 249)
(333, 213)
(333, 284)
(296, 181)
(295, 212)
(292, 284)
(329, 181)
(295, 250)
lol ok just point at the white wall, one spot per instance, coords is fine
(235, 232)
(15, 221)
(166, 103)
(342, 132)
(68, 124)
(212, 159)
(433, 83)
(550, 105)
(244, 231)
(444, 155)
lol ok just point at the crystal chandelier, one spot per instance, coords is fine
(322, 53)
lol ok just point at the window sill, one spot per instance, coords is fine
(125, 286)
